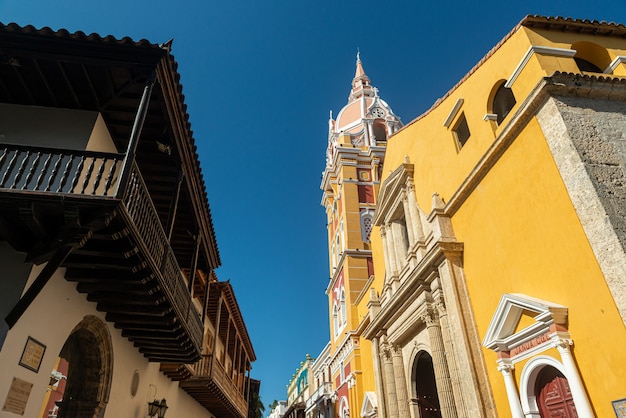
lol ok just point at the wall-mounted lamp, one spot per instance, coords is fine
(157, 408)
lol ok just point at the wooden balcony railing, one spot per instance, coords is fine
(45, 170)
(210, 384)
(228, 387)
(142, 214)
(202, 368)
(96, 177)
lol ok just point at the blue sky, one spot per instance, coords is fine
(259, 80)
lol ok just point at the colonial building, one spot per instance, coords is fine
(108, 296)
(499, 238)
(321, 402)
(299, 389)
(356, 147)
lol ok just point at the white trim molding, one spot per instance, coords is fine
(567, 367)
(501, 335)
(535, 49)
(369, 408)
(453, 113)
(620, 59)
(490, 116)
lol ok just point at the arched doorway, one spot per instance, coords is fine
(87, 356)
(425, 387)
(554, 398)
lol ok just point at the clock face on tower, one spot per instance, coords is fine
(377, 112)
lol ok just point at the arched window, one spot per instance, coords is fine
(335, 320)
(502, 103)
(591, 57)
(367, 217)
(343, 307)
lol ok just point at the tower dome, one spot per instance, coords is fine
(366, 118)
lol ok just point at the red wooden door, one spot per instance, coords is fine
(554, 397)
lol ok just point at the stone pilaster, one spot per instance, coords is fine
(380, 393)
(390, 384)
(440, 366)
(401, 389)
(450, 351)
(416, 218)
(408, 217)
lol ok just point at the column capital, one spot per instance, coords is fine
(410, 186)
(440, 303)
(562, 344)
(396, 350)
(505, 368)
(429, 317)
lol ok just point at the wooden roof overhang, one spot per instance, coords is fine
(112, 258)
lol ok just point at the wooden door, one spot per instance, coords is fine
(554, 398)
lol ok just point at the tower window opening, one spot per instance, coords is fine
(586, 66)
(590, 57)
(380, 132)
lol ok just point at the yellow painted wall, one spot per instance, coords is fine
(536, 246)
(519, 229)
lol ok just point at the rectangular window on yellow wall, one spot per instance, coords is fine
(461, 131)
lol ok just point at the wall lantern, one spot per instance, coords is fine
(157, 408)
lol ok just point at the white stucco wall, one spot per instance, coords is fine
(50, 319)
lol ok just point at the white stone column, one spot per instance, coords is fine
(390, 384)
(448, 343)
(418, 229)
(389, 254)
(380, 393)
(442, 375)
(401, 390)
(370, 133)
(583, 407)
(393, 254)
(408, 217)
(400, 244)
(511, 389)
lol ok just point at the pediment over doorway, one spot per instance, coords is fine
(520, 319)
(369, 409)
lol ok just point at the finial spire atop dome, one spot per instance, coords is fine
(361, 82)
(360, 72)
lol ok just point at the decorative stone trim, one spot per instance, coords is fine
(543, 50)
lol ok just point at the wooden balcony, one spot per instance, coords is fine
(98, 205)
(210, 385)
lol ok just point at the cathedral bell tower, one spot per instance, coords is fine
(356, 149)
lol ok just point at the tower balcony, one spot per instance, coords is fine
(94, 214)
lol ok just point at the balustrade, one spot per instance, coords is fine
(51, 170)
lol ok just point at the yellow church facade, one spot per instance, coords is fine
(499, 236)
